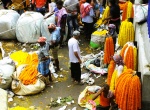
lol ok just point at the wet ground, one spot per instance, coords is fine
(61, 87)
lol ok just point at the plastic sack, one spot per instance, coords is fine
(94, 88)
(28, 28)
(44, 30)
(141, 12)
(6, 71)
(21, 89)
(3, 101)
(8, 20)
(97, 38)
(84, 98)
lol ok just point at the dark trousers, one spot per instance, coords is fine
(72, 25)
(88, 29)
(99, 107)
(42, 10)
(76, 71)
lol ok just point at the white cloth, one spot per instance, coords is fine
(71, 5)
(73, 46)
(89, 17)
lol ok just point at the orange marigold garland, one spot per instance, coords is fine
(129, 58)
(111, 69)
(128, 91)
(108, 50)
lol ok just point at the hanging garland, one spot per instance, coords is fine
(148, 18)
(111, 69)
(129, 55)
(105, 15)
(108, 50)
(128, 91)
(126, 33)
(128, 11)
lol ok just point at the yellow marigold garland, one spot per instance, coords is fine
(105, 15)
(126, 33)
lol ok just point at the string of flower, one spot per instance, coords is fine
(108, 50)
(128, 91)
(126, 33)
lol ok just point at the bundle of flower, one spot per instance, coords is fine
(108, 50)
(128, 91)
(21, 57)
(116, 74)
(127, 11)
(129, 55)
(111, 69)
(126, 33)
(105, 15)
(29, 75)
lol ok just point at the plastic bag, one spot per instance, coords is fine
(8, 20)
(28, 28)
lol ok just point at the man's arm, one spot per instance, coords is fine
(77, 56)
(98, 93)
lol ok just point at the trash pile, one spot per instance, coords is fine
(94, 63)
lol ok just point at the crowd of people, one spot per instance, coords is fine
(69, 12)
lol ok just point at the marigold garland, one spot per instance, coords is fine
(29, 75)
(24, 58)
(128, 91)
(108, 50)
(105, 15)
(111, 69)
(126, 33)
(128, 11)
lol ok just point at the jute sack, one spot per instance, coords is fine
(20, 89)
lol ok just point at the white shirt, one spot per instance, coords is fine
(71, 5)
(73, 46)
(88, 18)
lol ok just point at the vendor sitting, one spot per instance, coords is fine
(106, 98)
(44, 59)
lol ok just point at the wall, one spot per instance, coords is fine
(143, 44)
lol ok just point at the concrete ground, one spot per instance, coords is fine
(61, 87)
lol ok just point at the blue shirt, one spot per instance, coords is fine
(55, 35)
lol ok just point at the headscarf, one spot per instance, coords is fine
(112, 29)
(42, 39)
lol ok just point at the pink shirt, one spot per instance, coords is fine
(39, 3)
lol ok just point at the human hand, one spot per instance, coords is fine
(80, 61)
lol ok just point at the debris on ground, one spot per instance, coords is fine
(61, 101)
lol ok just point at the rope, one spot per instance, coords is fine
(34, 20)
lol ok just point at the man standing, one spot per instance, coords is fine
(72, 7)
(75, 57)
(43, 57)
(54, 41)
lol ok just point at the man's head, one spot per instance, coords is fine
(76, 34)
(59, 4)
(41, 40)
(118, 59)
(51, 27)
(111, 29)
